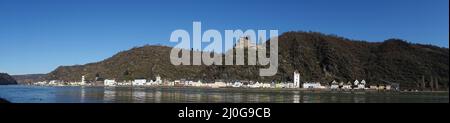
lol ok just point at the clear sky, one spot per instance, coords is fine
(36, 36)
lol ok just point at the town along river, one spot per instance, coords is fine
(43, 94)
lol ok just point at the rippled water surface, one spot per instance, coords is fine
(39, 94)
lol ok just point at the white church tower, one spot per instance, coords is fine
(83, 81)
(296, 79)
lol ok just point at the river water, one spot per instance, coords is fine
(41, 94)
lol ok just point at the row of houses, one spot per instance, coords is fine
(187, 83)
(358, 85)
(136, 82)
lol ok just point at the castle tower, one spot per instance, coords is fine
(245, 42)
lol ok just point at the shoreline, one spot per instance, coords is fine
(247, 89)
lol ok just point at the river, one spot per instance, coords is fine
(44, 94)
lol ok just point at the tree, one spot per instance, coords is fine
(127, 75)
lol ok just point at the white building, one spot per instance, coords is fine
(197, 84)
(356, 82)
(139, 82)
(40, 83)
(52, 82)
(363, 82)
(334, 85)
(109, 82)
(266, 85)
(296, 79)
(312, 85)
(373, 87)
(188, 83)
(158, 79)
(388, 87)
(218, 85)
(381, 87)
(151, 82)
(177, 82)
(362, 85)
(125, 83)
(256, 85)
(347, 86)
(237, 84)
(83, 81)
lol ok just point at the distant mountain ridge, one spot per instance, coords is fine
(29, 78)
(318, 57)
(6, 79)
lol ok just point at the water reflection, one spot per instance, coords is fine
(359, 99)
(296, 97)
(190, 95)
(82, 95)
(138, 96)
(109, 94)
(196, 95)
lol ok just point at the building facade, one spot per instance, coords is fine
(296, 79)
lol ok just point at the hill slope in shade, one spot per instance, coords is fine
(29, 78)
(6, 79)
(318, 57)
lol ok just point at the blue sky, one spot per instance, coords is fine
(36, 36)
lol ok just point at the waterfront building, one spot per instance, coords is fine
(218, 84)
(373, 87)
(169, 83)
(125, 83)
(40, 83)
(151, 82)
(388, 87)
(361, 85)
(312, 85)
(347, 86)
(83, 81)
(197, 84)
(139, 82)
(355, 83)
(177, 83)
(158, 80)
(255, 85)
(237, 84)
(363, 82)
(334, 85)
(230, 84)
(52, 82)
(341, 84)
(296, 79)
(381, 87)
(266, 85)
(109, 82)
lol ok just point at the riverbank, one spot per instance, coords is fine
(100, 94)
(248, 88)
